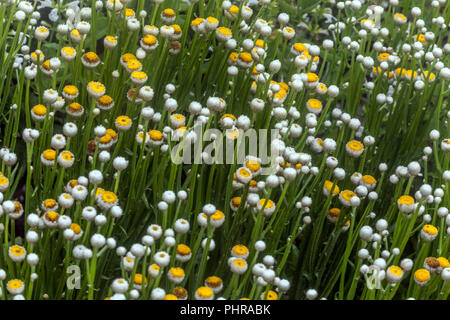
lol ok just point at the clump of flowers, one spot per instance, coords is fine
(128, 150)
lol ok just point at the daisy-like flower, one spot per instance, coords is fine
(77, 231)
(312, 80)
(177, 32)
(288, 33)
(238, 265)
(49, 205)
(217, 219)
(123, 123)
(180, 293)
(328, 186)
(90, 60)
(253, 164)
(406, 204)
(317, 145)
(244, 60)
(232, 12)
(153, 270)
(129, 13)
(105, 142)
(400, 18)
(214, 283)
(269, 207)
(68, 54)
(429, 233)
(422, 276)
(38, 113)
(75, 110)
(198, 25)
(432, 265)
(354, 148)
(168, 15)
(17, 212)
(176, 274)
(50, 219)
(184, 253)
(15, 286)
(156, 138)
(384, 56)
(298, 48)
(321, 88)
(96, 89)
(153, 30)
(345, 196)
(240, 251)
(128, 263)
(107, 200)
(133, 96)
(133, 65)
(368, 181)
(211, 23)
(243, 175)
(41, 33)
(223, 34)
(110, 42)
(235, 202)
(37, 59)
(139, 280)
(445, 145)
(167, 31)
(177, 120)
(17, 253)
(48, 157)
(204, 293)
(125, 58)
(271, 295)
(4, 183)
(394, 274)
(105, 103)
(170, 296)
(138, 77)
(149, 43)
(66, 159)
(70, 92)
(333, 215)
(75, 35)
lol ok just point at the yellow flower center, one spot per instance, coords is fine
(422, 275)
(49, 154)
(240, 249)
(39, 110)
(218, 215)
(205, 292)
(155, 135)
(315, 104)
(90, 57)
(355, 145)
(17, 251)
(347, 195)
(69, 51)
(430, 229)
(177, 272)
(406, 200)
(224, 31)
(109, 197)
(183, 249)
(75, 228)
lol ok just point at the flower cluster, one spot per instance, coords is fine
(346, 197)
